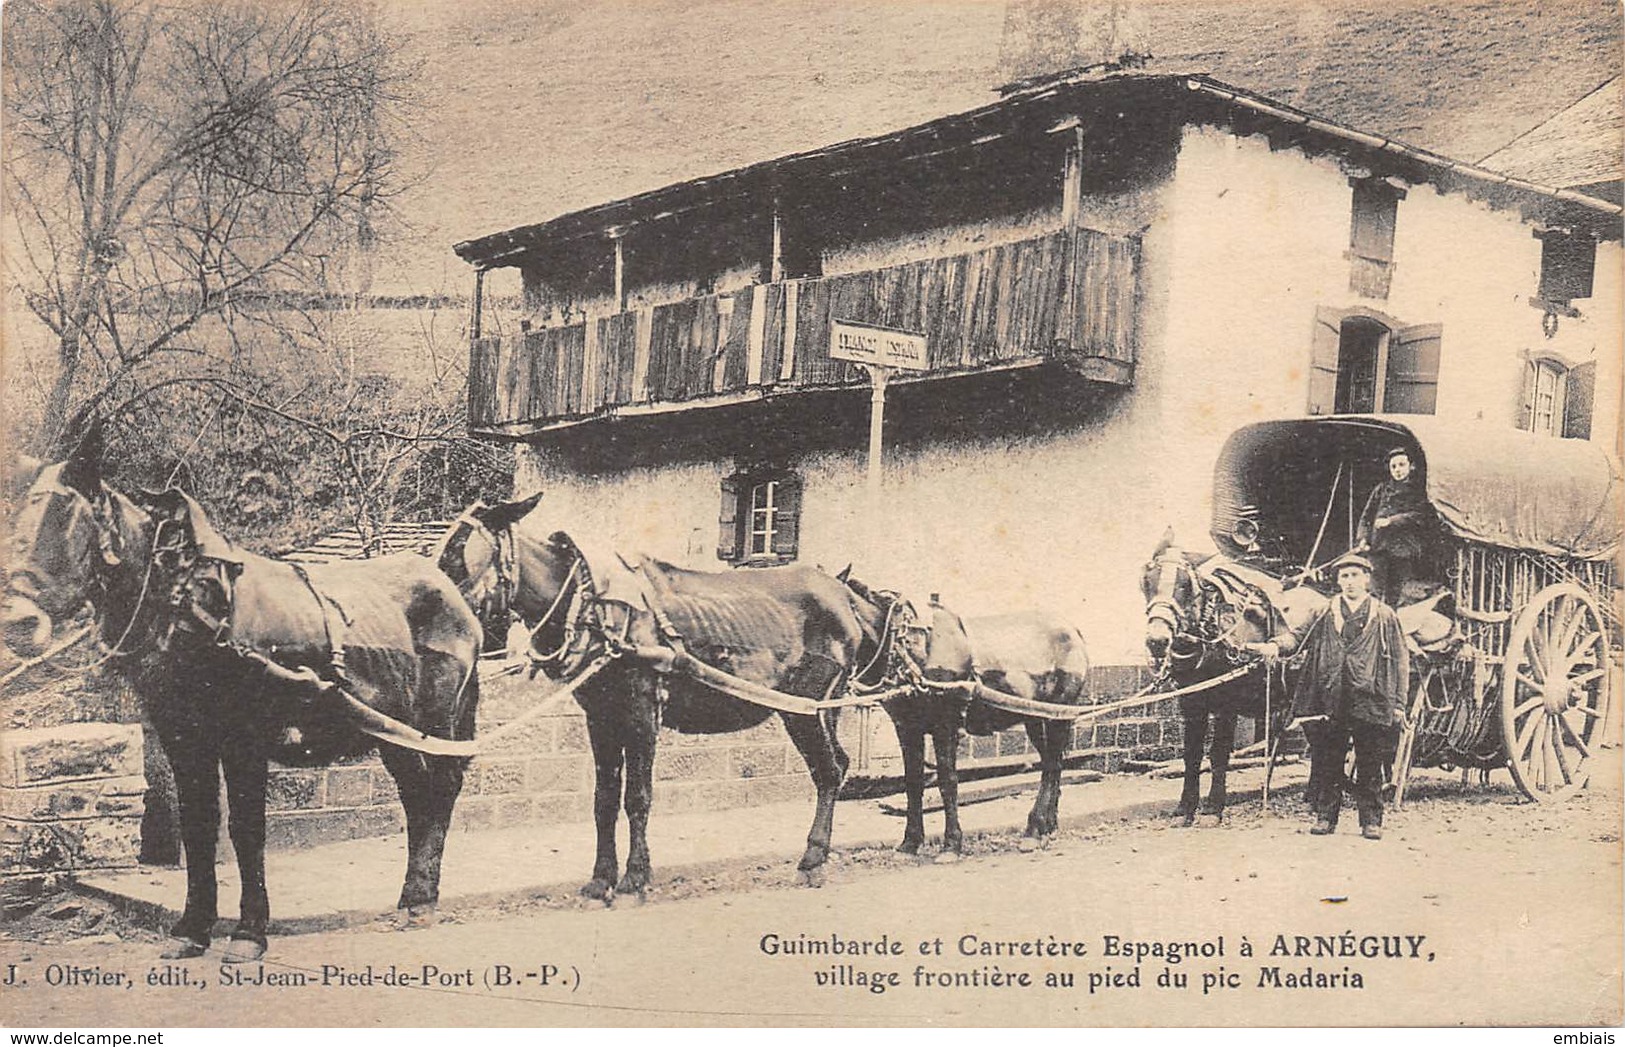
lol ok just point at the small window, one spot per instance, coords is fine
(1358, 365)
(759, 521)
(1359, 361)
(763, 526)
(1567, 264)
(1557, 400)
(1371, 236)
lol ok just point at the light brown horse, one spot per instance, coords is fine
(1029, 654)
(185, 614)
(791, 629)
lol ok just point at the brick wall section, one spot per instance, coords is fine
(542, 772)
(71, 796)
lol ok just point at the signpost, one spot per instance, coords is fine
(878, 349)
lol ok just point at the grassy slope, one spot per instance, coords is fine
(542, 108)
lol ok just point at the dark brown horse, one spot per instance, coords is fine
(218, 643)
(1030, 654)
(791, 629)
(1196, 626)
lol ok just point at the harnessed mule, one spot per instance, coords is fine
(1195, 633)
(194, 623)
(790, 629)
(1029, 654)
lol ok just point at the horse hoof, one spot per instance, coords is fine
(598, 890)
(183, 949)
(908, 847)
(813, 877)
(242, 950)
(947, 858)
(1027, 844)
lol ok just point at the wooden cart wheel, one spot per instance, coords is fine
(1554, 697)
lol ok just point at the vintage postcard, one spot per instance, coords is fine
(874, 513)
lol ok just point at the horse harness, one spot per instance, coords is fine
(1203, 629)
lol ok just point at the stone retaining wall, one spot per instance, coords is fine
(71, 800)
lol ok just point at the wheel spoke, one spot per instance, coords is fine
(1574, 737)
(1554, 742)
(1585, 644)
(1524, 707)
(1529, 682)
(1574, 616)
(1588, 710)
(1537, 753)
(1526, 737)
(1586, 677)
(1533, 655)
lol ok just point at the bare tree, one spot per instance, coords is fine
(182, 181)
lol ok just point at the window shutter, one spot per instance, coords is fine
(728, 538)
(1371, 237)
(1581, 390)
(787, 519)
(1526, 413)
(1376, 208)
(1323, 368)
(1568, 265)
(1412, 384)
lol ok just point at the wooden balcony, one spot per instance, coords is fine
(1066, 297)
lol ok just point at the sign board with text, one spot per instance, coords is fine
(878, 346)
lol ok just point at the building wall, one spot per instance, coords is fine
(1243, 245)
(1257, 244)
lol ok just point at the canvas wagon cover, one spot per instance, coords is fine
(1500, 486)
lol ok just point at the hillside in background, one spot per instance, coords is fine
(543, 108)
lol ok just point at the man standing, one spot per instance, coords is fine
(1394, 527)
(1355, 674)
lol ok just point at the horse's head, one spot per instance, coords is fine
(1172, 596)
(57, 542)
(874, 610)
(479, 553)
(895, 631)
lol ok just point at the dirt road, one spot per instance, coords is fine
(1475, 909)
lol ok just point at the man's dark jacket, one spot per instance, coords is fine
(1374, 656)
(1403, 504)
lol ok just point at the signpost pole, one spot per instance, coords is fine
(879, 351)
(877, 418)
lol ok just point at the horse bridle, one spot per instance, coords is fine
(109, 553)
(505, 589)
(1161, 606)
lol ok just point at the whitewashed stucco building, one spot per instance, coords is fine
(1113, 270)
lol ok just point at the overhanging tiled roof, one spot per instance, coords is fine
(1579, 145)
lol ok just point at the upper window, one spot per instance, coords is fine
(1567, 264)
(1360, 365)
(1371, 236)
(1557, 399)
(759, 520)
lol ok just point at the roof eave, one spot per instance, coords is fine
(507, 247)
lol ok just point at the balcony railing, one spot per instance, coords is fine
(1069, 296)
